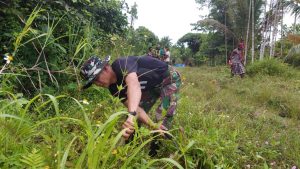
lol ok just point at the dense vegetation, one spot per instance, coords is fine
(221, 122)
(243, 123)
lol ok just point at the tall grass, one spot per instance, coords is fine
(27, 28)
(99, 144)
(242, 123)
(47, 131)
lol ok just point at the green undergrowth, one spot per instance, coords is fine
(221, 122)
(79, 129)
(242, 123)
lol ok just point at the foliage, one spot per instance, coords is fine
(235, 11)
(217, 122)
(51, 40)
(53, 124)
(194, 48)
(141, 39)
(34, 160)
(61, 132)
(293, 56)
(211, 24)
(107, 15)
(133, 14)
(225, 25)
(193, 41)
(271, 67)
(165, 42)
(241, 123)
(292, 6)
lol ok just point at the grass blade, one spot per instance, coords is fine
(65, 156)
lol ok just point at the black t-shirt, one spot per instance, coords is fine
(150, 72)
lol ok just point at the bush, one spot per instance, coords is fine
(271, 67)
(293, 60)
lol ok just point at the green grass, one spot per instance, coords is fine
(221, 122)
(242, 122)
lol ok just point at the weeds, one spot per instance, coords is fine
(238, 122)
(98, 143)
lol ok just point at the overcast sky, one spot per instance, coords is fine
(167, 17)
(171, 17)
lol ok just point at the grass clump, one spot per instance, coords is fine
(271, 67)
(242, 123)
(221, 122)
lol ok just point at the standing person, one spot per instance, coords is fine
(162, 54)
(157, 50)
(143, 80)
(236, 61)
(150, 52)
(167, 58)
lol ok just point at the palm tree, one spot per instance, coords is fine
(216, 25)
(269, 29)
(294, 7)
(276, 15)
(234, 25)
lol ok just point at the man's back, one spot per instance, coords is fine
(150, 71)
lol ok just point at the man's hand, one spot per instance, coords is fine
(162, 130)
(129, 126)
(162, 127)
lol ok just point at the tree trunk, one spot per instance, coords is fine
(275, 29)
(225, 34)
(253, 31)
(281, 31)
(247, 36)
(264, 34)
(295, 22)
(294, 27)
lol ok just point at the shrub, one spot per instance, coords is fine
(293, 57)
(271, 67)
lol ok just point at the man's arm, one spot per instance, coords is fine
(133, 99)
(134, 92)
(144, 118)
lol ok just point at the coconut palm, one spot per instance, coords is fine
(294, 7)
(229, 22)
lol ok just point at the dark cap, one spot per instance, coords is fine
(91, 69)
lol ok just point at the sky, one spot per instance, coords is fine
(172, 17)
(167, 17)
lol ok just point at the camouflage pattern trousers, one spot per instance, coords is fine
(168, 94)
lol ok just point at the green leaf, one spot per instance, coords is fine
(35, 159)
(168, 160)
(64, 159)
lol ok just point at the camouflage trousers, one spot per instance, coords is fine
(168, 94)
